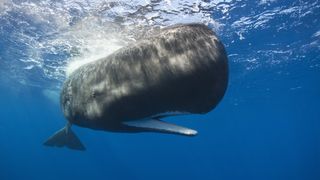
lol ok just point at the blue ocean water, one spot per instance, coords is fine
(266, 127)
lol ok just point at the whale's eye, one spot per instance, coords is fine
(93, 94)
(96, 93)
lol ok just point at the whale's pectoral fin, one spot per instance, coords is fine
(65, 137)
(161, 126)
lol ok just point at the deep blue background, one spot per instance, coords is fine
(266, 127)
(268, 135)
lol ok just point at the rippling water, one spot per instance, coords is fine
(43, 37)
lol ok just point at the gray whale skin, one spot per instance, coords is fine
(182, 68)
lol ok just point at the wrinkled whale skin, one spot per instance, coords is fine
(183, 68)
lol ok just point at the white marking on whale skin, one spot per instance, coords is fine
(121, 90)
(190, 132)
(93, 110)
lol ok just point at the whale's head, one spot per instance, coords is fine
(82, 99)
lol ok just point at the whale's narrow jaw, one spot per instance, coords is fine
(160, 126)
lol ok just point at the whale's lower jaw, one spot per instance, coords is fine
(156, 125)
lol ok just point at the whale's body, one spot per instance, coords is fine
(182, 68)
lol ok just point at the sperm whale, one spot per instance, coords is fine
(178, 69)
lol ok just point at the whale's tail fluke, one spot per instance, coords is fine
(65, 137)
